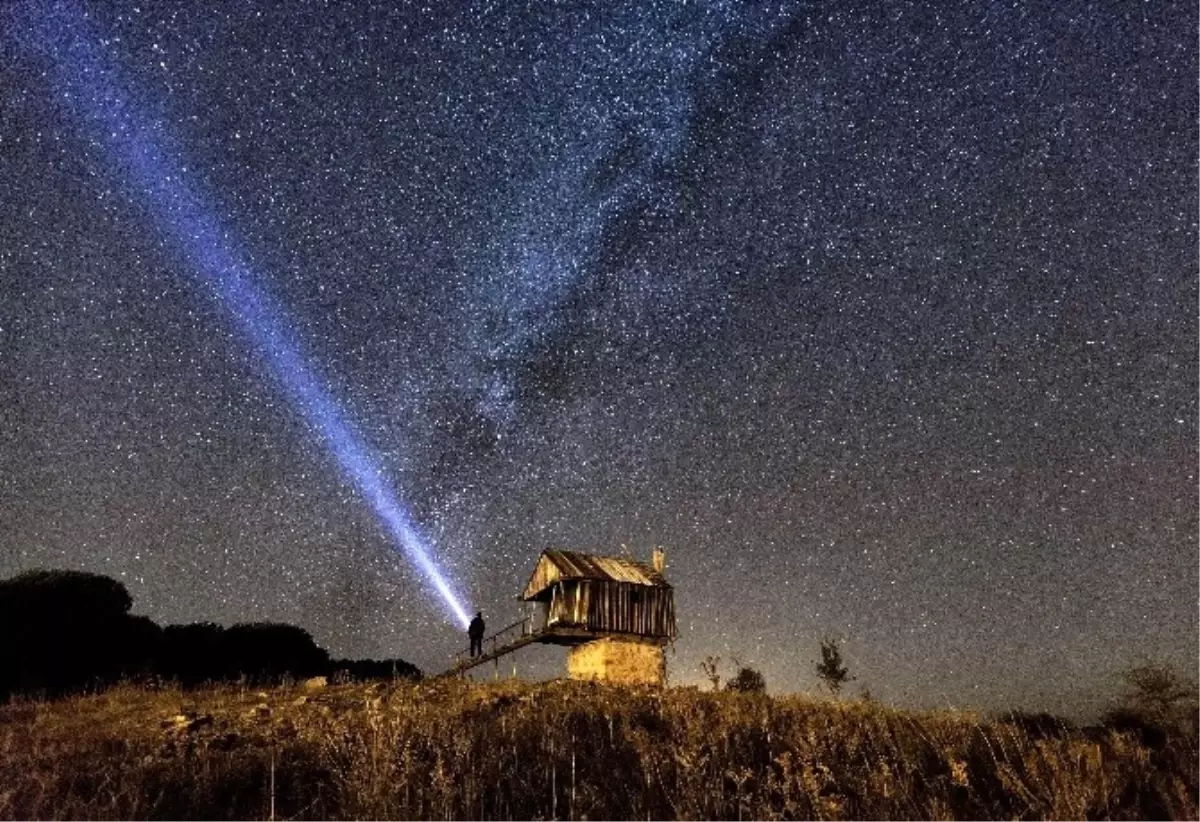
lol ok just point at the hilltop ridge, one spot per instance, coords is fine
(570, 750)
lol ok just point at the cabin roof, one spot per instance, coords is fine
(554, 566)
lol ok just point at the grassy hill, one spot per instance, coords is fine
(567, 750)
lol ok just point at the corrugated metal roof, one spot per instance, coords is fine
(563, 565)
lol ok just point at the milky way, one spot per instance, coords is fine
(881, 318)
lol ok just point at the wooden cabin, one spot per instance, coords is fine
(616, 614)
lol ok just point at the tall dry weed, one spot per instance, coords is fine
(567, 750)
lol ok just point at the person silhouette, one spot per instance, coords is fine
(475, 633)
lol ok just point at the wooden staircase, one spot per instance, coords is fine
(513, 638)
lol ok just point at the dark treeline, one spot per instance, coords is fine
(64, 631)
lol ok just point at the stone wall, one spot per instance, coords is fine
(627, 660)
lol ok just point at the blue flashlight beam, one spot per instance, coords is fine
(87, 81)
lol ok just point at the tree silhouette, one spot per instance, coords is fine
(63, 631)
(374, 669)
(1157, 690)
(267, 651)
(747, 681)
(830, 669)
(193, 654)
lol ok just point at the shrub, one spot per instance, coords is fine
(747, 681)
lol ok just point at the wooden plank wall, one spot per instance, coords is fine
(615, 606)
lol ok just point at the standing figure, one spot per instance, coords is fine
(475, 632)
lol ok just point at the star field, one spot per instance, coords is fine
(880, 317)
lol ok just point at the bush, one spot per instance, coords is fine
(747, 681)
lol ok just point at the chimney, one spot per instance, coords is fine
(658, 559)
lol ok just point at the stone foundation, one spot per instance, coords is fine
(626, 660)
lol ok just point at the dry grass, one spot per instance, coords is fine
(452, 750)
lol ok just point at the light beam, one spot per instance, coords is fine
(87, 83)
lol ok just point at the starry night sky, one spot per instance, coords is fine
(880, 317)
